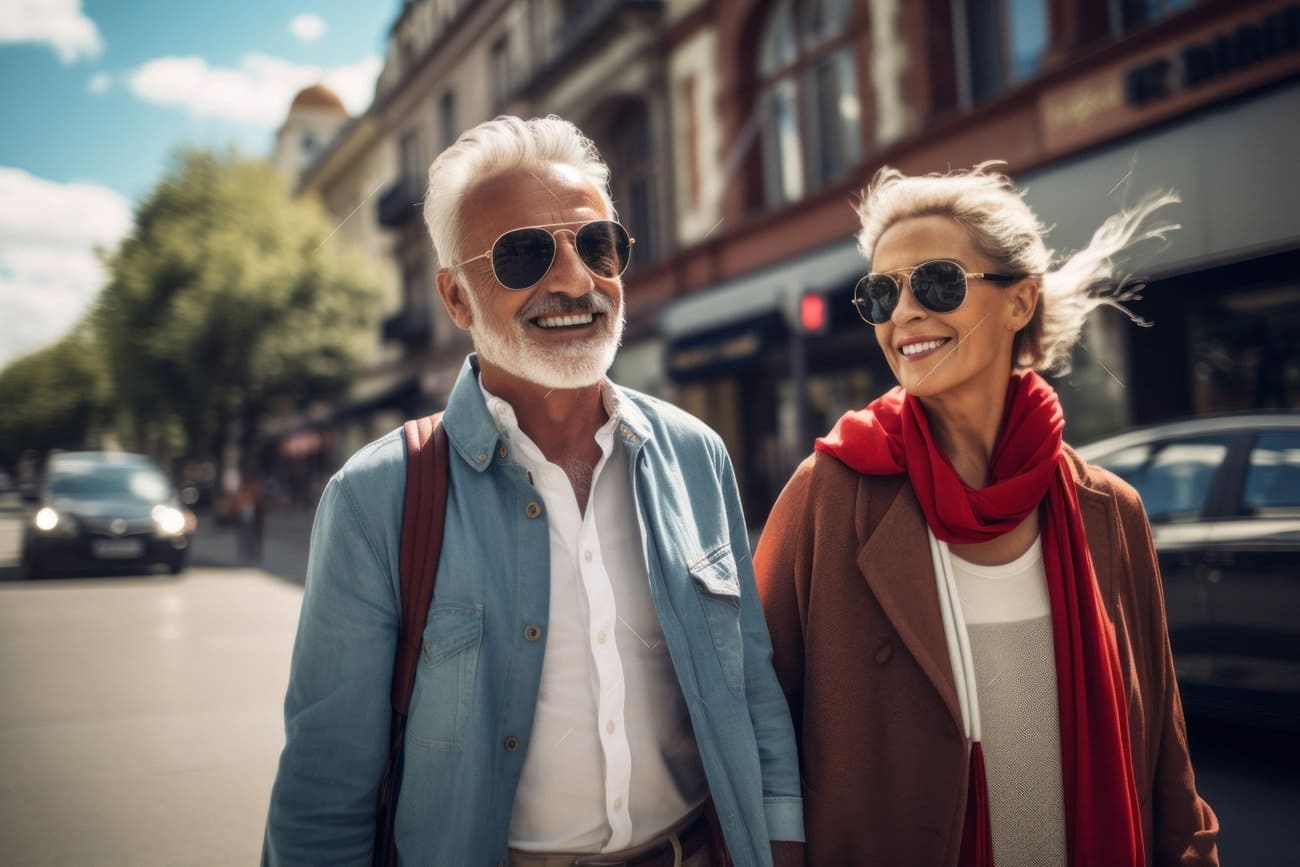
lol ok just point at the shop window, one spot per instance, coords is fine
(807, 98)
(1003, 41)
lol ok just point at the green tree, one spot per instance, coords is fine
(227, 302)
(54, 398)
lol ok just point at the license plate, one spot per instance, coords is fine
(117, 549)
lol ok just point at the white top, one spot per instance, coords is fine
(608, 690)
(1009, 674)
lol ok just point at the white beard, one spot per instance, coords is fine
(577, 364)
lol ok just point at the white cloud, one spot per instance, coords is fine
(308, 27)
(49, 272)
(57, 23)
(258, 92)
(100, 82)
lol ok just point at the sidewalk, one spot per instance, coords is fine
(285, 542)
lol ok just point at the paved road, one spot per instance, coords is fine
(140, 722)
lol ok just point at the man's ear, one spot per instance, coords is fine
(1023, 301)
(452, 293)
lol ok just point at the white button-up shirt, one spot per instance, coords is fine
(612, 760)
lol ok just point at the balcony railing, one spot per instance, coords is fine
(401, 202)
(410, 326)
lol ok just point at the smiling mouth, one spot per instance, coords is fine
(924, 346)
(566, 320)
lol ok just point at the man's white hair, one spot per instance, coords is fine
(1005, 229)
(492, 148)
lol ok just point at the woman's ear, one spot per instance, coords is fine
(452, 292)
(1022, 301)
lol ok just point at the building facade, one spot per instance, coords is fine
(740, 133)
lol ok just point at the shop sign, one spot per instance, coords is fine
(1247, 49)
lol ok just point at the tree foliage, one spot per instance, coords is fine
(226, 302)
(54, 398)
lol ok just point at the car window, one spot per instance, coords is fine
(1273, 474)
(110, 481)
(1173, 478)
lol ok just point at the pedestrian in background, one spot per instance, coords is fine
(967, 619)
(596, 676)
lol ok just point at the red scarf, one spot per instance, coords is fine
(1028, 468)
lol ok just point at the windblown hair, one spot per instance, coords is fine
(1004, 228)
(494, 147)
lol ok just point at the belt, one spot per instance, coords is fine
(668, 849)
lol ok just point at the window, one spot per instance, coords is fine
(308, 144)
(807, 98)
(412, 164)
(500, 72)
(1004, 42)
(1173, 478)
(1273, 476)
(1135, 13)
(447, 118)
(631, 159)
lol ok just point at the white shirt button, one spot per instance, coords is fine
(618, 804)
(587, 556)
(609, 726)
(600, 637)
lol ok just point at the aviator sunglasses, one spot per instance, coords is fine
(521, 257)
(938, 285)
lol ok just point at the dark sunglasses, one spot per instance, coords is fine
(938, 285)
(521, 257)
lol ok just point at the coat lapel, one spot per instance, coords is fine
(895, 559)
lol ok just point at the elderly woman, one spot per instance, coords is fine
(966, 618)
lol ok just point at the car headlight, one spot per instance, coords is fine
(52, 523)
(168, 521)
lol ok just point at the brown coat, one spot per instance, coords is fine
(846, 578)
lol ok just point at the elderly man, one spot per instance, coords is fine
(596, 682)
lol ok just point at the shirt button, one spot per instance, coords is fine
(883, 653)
(512, 744)
(609, 726)
(503, 451)
(482, 458)
(533, 509)
(618, 804)
(600, 637)
(532, 632)
(587, 556)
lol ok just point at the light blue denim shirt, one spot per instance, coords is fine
(476, 687)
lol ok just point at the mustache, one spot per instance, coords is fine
(558, 305)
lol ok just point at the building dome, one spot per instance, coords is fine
(318, 97)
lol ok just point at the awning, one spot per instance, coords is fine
(772, 289)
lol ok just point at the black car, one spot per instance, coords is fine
(1223, 497)
(105, 511)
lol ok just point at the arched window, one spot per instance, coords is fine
(807, 98)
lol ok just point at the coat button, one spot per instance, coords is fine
(512, 744)
(533, 509)
(532, 632)
(883, 653)
(503, 451)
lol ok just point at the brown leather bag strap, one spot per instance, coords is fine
(424, 512)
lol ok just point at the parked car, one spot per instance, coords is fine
(1223, 497)
(105, 511)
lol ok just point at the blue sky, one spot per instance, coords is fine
(95, 96)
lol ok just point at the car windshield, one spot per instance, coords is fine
(110, 481)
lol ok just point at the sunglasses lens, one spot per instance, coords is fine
(604, 247)
(522, 257)
(876, 296)
(939, 286)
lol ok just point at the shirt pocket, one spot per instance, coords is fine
(717, 583)
(444, 678)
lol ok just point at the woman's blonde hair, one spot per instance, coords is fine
(1006, 230)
